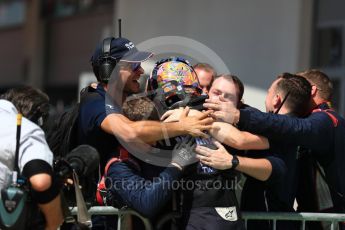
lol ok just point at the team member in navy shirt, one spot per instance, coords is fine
(101, 123)
(322, 132)
(116, 65)
(289, 94)
(211, 202)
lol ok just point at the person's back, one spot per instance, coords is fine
(92, 112)
(330, 158)
(34, 162)
(293, 93)
(8, 141)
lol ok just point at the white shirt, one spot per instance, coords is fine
(32, 142)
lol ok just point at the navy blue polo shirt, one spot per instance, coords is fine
(279, 191)
(317, 132)
(93, 110)
(281, 187)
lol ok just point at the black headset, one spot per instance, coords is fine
(107, 62)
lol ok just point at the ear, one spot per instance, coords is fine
(313, 90)
(277, 100)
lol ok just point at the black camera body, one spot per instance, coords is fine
(83, 160)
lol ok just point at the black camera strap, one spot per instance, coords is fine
(281, 105)
(19, 125)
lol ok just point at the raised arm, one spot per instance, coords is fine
(313, 132)
(231, 136)
(150, 131)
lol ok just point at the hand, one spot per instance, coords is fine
(171, 115)
(218, 159)
(175, 114)
(224, 110)
(183, 153)
(195, 125)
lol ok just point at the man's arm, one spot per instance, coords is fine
(131, 189)
(150, 131)
(314, 132)
(41, 183)
(36, 164)
(231, 136)
(262, 169)
(227, 134)
(149, 199)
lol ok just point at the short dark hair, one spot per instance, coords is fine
(32, 103)
(139, 109)
(239, 85)
(299, 93)
(321, 81)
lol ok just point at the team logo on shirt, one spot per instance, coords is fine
(227, 213)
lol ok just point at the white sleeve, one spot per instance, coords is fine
(33, 145)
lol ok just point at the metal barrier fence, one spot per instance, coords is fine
(102, 210)
(333, 218)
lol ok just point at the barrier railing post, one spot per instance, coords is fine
(274, 224)
(119, 220)
(303, 225)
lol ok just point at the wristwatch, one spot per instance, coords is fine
(234, 162)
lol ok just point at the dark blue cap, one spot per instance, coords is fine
(120, 49)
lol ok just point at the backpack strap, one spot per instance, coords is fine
(124, 156)
(127, 157)
(101, 193)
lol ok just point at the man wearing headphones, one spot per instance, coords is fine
(116, 65)
(101, 123)
(35, 158)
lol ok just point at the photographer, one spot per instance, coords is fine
(35, 158)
